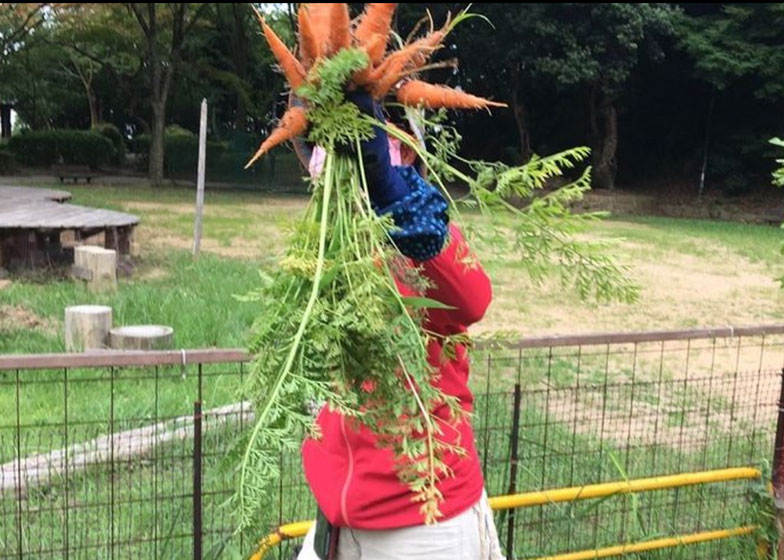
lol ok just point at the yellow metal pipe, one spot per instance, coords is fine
(283, 533)
(657, 544)
(529, 499)
(542, 497)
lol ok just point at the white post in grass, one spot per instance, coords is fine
(200, 179)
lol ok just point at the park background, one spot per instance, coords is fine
(678, 103)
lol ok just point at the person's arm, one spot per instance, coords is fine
(425, 235)
(460, 282)
(423, 232)
(385, 185)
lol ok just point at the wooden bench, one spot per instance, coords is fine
(74, 173)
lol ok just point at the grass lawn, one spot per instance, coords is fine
(691, 273)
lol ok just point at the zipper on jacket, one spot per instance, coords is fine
(349, 474)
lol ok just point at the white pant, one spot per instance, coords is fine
(469, 536)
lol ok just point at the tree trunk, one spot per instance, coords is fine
(605, 128)
(92, 101)
(521, 118)
(162, 66)
(85, 75)
(240, 48)
(156, 142)
(706, 146)
(520, 114)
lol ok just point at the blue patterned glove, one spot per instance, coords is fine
(418, 210)
(420, 216)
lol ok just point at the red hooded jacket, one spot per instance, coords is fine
(353, 480)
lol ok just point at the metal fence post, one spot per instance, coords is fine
(19, 537)
(778, 471)
(197, 514)
(510, 521)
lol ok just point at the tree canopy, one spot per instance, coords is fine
(662, 93)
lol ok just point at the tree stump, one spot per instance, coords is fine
(87, 327)
(96, 265)
(142, 337)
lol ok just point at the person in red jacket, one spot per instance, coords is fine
(365, 512)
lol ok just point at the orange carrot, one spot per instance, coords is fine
(396, 65)
(375, 50)
(380, 88)
(376, 20)
(411, 58)
(292, 68)
(293, 123)
(308, 45)
(429, 43)
(415, 93)
(393, 63)
(320, 17)
(340, 34)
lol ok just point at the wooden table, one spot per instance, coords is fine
(32, 221)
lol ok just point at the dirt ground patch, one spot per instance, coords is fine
(251, 231)
(267, 243)
(677, 290)
(154, 273)
(169, 208)
(16, 317)
(684, 282)
(265, 206)
(682, 414)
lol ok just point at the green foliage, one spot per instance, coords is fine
(181, 148)
(7, 162)
(182, 153)
(763, 508)
(578, 51)
(543, 230)
(83, 147)
(47, 147)
(333, 121)
(37, 149)
(332, 325)
(558, 50)
(778, 175)
(115, 137)
(549, 58)
(562, 45)
(177, 131)
(737, 41)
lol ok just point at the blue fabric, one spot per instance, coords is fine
(420, 217)
(385, 186)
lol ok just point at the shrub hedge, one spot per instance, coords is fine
(42, 148)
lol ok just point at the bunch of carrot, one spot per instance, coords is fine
(326, 29)
(333, 326)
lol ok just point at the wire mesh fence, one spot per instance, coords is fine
(598, 413)
(125, 455)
